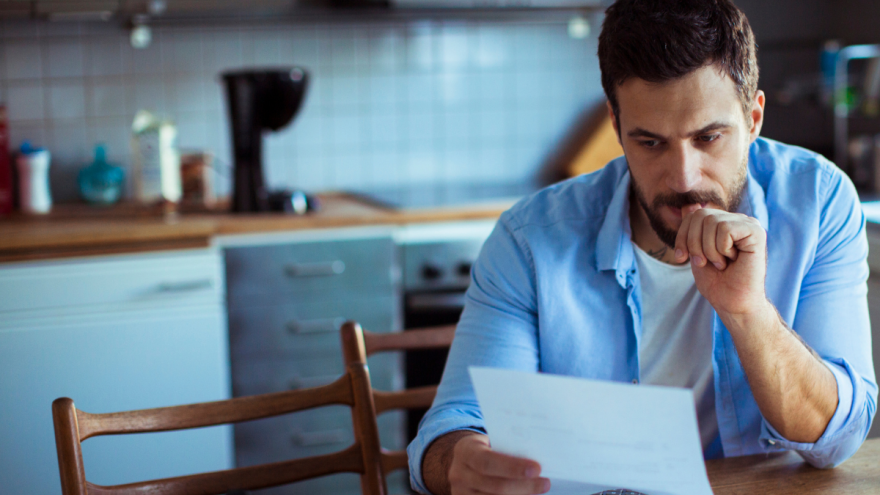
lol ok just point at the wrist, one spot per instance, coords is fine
(438, 458)
(760, 315)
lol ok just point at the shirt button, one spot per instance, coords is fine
(771, 442)
(635, 381)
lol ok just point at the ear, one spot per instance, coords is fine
(757, 115)
(614, 122)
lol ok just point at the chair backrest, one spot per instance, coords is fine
(358, 344)
(73, 426)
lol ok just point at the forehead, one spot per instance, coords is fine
(690, 102)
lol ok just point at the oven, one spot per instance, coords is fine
(437, 261)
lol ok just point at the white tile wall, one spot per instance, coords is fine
(391, 102)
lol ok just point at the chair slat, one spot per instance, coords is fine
(405, 399)
(394, 460)
(425, 338)
(246, 478)
(214, 413)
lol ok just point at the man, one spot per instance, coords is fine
(706, 258)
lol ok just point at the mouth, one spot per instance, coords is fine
(676, 212)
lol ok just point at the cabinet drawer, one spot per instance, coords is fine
(309, 433)
(269, 274)
(263, 376)
(176, 279)
(305, 327)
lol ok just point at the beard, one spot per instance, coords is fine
(680, 200)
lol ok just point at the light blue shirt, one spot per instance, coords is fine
(556, 290)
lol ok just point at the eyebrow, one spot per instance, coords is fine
(714, 126)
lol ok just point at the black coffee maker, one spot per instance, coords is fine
(262, 100)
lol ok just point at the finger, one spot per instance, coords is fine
(681, 251)
(482, 459)
(747, 236)
(688, 209)
(503, 486)
(710, 249)
(724, 240)
(695, 239)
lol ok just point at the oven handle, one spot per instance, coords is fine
(426, 302)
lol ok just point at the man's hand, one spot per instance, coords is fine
(473, 467)
(794, 389)
(728, 253)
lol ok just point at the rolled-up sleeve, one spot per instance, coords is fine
(498, 328)
(832, 317)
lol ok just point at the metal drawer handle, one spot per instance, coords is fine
(318, 325)
(427, 302)
(319, 269)
(315, 438)
(186, 286)
(299, 382)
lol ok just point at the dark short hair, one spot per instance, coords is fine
(663, 40)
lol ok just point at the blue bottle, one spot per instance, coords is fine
(101, 183)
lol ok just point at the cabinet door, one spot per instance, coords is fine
(106, 363)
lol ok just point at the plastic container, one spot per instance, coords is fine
(33, 179)
(101, 183)
(156, 163)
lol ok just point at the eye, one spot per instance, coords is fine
(708, 138)
(650, 143)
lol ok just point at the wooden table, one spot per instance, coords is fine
(786, 473)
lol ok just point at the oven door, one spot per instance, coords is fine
(427, 309)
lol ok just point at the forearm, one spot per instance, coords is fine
(794, 389)
(438, 459)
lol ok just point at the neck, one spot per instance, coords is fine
(643, 234)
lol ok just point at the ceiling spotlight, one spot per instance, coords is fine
(141, 34)
(578, 27)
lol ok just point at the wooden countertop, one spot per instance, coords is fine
(82, 230)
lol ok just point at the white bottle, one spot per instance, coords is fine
(33, 179)
(156, 160)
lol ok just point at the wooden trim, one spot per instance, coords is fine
(404, 399)
(246, 478)
(70, 461)
(45, 253)
(215, 413)
(420, 338)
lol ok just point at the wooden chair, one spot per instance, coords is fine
(358, 344)
(72, 426)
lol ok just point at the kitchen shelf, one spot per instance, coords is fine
(842, 112)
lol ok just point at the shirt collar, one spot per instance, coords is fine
(614, 250)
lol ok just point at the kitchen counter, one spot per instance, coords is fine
(81, 230)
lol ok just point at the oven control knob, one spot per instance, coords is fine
(464, 269)
(431, 271)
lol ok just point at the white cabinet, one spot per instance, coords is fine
(113, 333)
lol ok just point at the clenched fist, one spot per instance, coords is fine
(728, 253)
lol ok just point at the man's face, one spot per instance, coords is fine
(686, 142)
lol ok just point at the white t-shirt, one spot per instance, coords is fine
(676, 344)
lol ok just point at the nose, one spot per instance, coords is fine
(684, 173)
